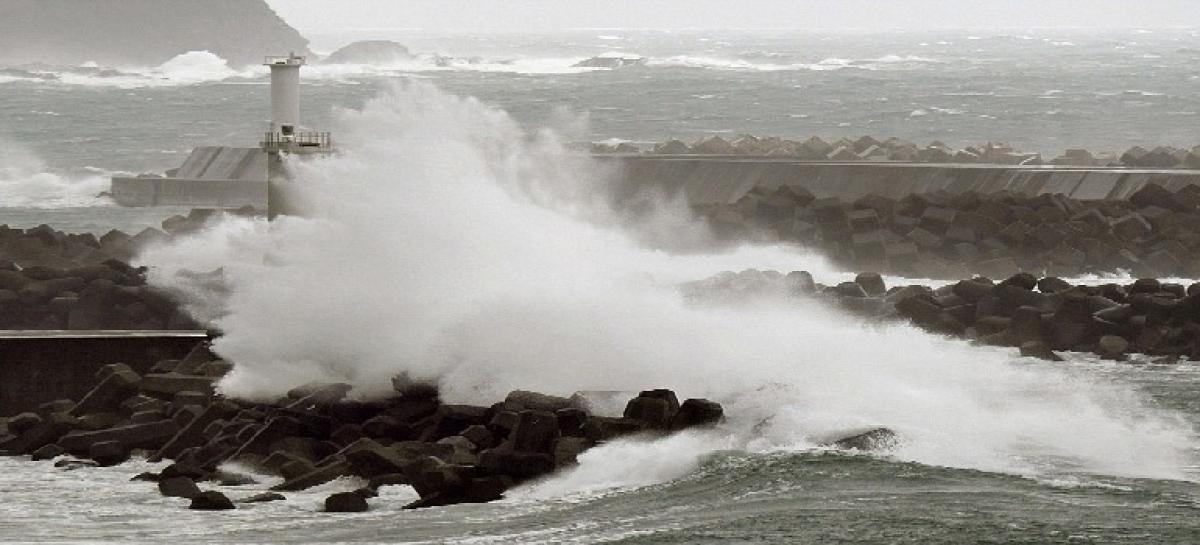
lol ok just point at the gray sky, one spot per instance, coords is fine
(319, 15)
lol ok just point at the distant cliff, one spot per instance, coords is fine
(141, 32)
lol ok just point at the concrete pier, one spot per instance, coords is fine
(41, 366)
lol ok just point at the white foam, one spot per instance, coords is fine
(26, 182)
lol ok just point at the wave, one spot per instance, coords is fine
(447, 242)
(26, 182)
(189, 68)
(203, 67)
(889, 62)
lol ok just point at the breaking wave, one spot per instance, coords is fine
(447, 242)
(26, 182)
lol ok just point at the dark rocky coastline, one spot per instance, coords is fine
(75, 281)
(1154, 233)
(448, 453)
(1039, 316)
(870, 149)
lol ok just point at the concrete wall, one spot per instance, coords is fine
(724, 179)
(37, 367)
(188, 192)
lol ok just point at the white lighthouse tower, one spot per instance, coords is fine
(286, 136)
(285, 93)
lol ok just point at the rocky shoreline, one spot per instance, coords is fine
(448, 453)
(941, 235)
(870, 149)
(50, 279)
(1038, 316)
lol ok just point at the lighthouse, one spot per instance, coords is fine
(286, 136)
(285, 94)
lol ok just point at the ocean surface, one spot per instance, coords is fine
(997, 449)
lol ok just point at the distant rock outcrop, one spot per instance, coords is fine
(141, 32)
(379, 52)
(610, 61)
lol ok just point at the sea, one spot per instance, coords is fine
(471, 242)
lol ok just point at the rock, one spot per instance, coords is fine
(610, 61)
(567, 449)
(23, 422)
(849, 289)
(1112, 347)
(211, 500)
(320, 475)
(116, 385)
(536, 431)
(872, 284)
(1153, 194)
(178, 487)
(345, 502)
(371, 52)
(263, 498)
(519, 400)
(1040, 350)
(169, 384)
(874, 439)
(48, 452)
(108, 453)
(369, 459)
(656, 408)
(45, 432)
(800, 282)
(145, 436)
(390, 479)
(1051, 284)
(314, 395)
(521, 465)
(697, 413)
(191, 435)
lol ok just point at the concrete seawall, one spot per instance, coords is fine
(724, 179)
(41, 366)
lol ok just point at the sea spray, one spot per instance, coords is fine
(446, 242)
(26, 181)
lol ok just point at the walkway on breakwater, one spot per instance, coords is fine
(723, 179)
(39, 366)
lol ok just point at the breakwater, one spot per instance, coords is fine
(1037, 315)
(722, 179)
(448, 453)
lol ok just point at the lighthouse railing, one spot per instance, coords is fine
(275, 141)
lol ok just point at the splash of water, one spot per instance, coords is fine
(26, 182)
(447, 242)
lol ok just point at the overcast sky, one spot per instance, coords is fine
(319, 15)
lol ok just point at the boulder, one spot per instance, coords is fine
(368, 458)
(697, 413)
(45, 432)
(169, 384)
(23, 422)
(520, 400)
(178, 487)
(47, 452)
(536, 431)
(108, 453)
(211, 500)
(263, 497)
(117, 384)
(152, 435)
(872, 284)
(873, 439)
(320, 475)
(346, 502)
(1112, 347)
